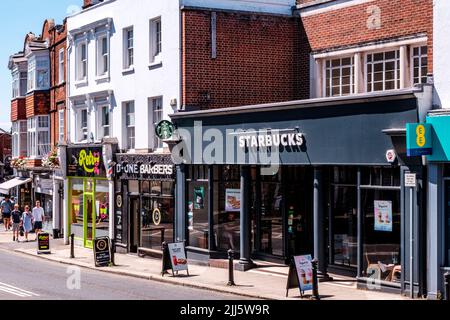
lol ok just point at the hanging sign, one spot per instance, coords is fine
(419, 139)
(164, 130)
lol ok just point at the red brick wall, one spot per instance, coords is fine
(37, 103)
(348, 26)
(260, 59)
(18, 109)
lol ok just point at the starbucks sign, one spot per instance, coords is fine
(164, 130)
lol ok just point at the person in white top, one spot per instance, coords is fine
(38, 218)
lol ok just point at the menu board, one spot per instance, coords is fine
(43, 243)
(178, 257)
(303, 266)
(233, 200)
(102, 252)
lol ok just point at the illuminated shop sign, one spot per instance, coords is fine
(85, 162)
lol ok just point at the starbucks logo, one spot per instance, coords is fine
(164, 130)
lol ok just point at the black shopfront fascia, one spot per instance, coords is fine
(132, 173)
(346, 132)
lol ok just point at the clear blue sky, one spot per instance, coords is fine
(17, 18)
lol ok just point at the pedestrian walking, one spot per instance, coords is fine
(6, 207)
(38, 218)
(27, 222)
(16, 217)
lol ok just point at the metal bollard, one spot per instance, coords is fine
(113, 251)
(315, 293)
(72, 244)
(447, 286)
(231, 268)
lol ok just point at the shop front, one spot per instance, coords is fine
(43, 192)
(145, 202)
(323, 177)
(88, 201)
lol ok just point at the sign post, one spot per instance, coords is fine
(102, 252)
(411, 184)
(43, 243)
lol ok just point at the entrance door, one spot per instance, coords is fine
(89, 218)
(135, 237)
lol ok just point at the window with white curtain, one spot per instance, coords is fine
(38, 139)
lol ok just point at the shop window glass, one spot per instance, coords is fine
(157, 218)
(167, 188)
(133, 186)
(197, 214)
(146, 187)
(226, 208)
(381, 243)
(76, 207)
(102, 213)
(155, 188)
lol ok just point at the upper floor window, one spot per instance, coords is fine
(81, 62)
(339, 77)
(155, 39)
(61, 66)
(15, 84)
(38, 73)
(83, 125)
(157, 116)
(38, 136)
(128, 53)
(130, 125)
(102, 56)
(105, 122)
(19, 139)
(383, 71)
(61, 126)
(420, 64)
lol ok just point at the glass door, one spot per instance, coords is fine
(89, 218)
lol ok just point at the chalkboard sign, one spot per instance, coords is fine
(102, 252)
(174, 257)
(300, 274)
(43, 243)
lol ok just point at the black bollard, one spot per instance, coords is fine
(447, 286)
(231, 268)
(72, 244)
(113, 251)
(315, 294)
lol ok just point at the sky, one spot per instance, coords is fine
(17, 18)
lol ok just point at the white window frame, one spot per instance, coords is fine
(15, 84)
(129, 143)
(156, 35)
(420, 56)
(15, 139)
(79, 62)
(42, 65)
(157, 143)
(100, 123)
(128, 50)
(340, 67)
(103, 58)
(82, 131)
(31, 78)
(397, 61)
(35, 147)
(61, 66)
(61, 125)
(22, 147)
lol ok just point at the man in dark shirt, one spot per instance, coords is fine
(16, 217)
(6, 207)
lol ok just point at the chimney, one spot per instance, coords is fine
(90, 3)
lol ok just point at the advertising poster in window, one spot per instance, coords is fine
(233, 200)
(303, 265)
(383, 216)
(199, 198)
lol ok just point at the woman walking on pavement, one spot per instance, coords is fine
(16, 217)
(27, 221)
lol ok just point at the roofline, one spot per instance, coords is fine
(299, 104)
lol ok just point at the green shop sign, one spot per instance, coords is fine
(419, 141)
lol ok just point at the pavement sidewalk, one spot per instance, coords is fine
(268, 281)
